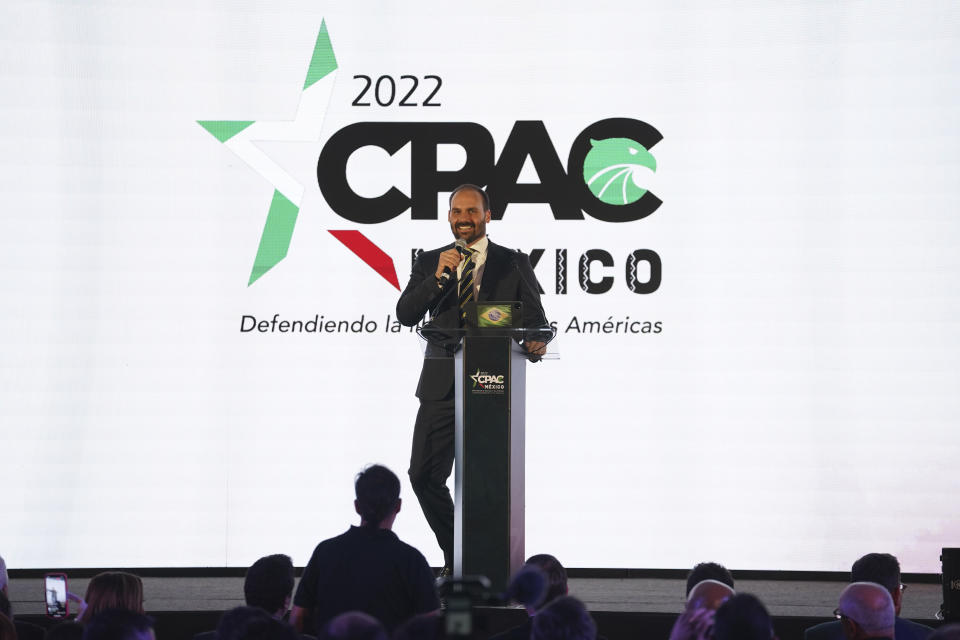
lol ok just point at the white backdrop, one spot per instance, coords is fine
(799, 407)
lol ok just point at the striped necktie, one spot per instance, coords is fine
(466, 283)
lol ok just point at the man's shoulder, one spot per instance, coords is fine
(332, 544)
(504, 252)
(831, 630)
(909, 630)
(410, 550)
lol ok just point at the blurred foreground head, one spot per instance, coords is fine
(709, 571)
(709, 594)
(354, 625)
(556, 577)
(118, 624)
(252, 623)
(946, 632)
(7, 630)
(426, 626)
(566, 618)
(866, 611)
(742, 617)
(113, 590)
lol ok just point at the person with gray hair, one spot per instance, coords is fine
(882, 569)
(4, 579)
(866, 611)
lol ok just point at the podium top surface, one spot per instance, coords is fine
(441, 342)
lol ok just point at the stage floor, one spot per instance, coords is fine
(639, 595)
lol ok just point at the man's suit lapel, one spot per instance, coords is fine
(494, 270)
(449, 298)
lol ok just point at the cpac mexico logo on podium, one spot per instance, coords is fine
(485, 383)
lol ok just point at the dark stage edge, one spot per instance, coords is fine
(624, 607)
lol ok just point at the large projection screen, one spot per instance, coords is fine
(762, 370)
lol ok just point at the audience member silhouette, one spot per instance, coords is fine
(742, 617)
(252, 623)
(118, 624)
(367, 568)
(946, 632)
(426, 626)
(556, 577)
(7, 630)
(4, 578)
(696, 621)
(268, 585)
(883, 569)
(709, 571)
(25, 630)
(354, 625)
(112, 590)
(866, 611)
(68, 630)
(566, 618)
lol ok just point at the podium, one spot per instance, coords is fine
(490, 409)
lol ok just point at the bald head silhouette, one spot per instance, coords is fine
(866, 610)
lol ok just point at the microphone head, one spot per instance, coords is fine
(528, 586)
(461, 245)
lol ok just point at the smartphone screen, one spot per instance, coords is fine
(55, 586)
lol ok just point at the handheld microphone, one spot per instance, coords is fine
(461, 246)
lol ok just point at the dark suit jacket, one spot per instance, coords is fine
(903, 630)
(507, 276)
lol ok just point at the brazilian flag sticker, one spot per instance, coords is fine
(495, 315)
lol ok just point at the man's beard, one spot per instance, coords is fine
(470, 233)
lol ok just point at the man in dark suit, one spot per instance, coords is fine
(882, 569)
(442, 281)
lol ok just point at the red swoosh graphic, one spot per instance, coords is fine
(370, 253)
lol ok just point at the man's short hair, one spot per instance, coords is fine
(566, 618)
(378, 490)
(742, 617)
(118, 624)
(4, 579)
(709, 571)
(269, 582)
(882, 568)
(471, 187)
(556, 576)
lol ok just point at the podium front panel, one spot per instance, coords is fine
(489, 503)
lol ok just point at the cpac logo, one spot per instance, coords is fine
(603, 176)
(486, 380)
